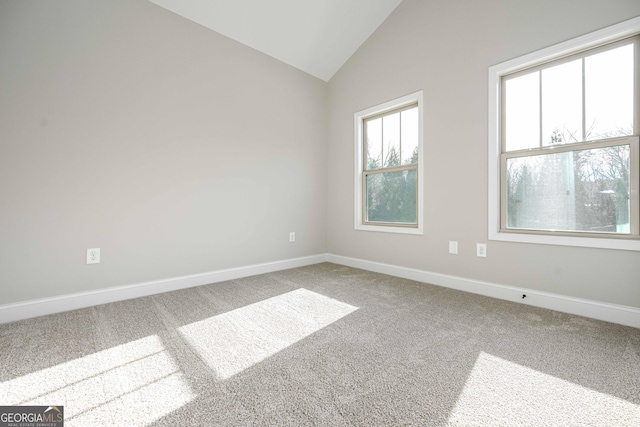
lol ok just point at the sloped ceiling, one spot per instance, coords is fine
(316, 36)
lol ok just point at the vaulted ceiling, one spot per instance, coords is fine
(316, 36)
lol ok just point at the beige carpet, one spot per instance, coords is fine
(323, 345)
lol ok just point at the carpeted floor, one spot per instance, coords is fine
(323, 345)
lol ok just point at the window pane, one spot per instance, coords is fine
(562, 103)
(609, 93)
(523, 112)
(585, 190)
(391, 197)
(391, 140)
(409, 125)
(373, 129)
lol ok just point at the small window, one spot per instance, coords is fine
(565, 150)
(388, 170)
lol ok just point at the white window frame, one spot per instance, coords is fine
(591, 40)
(359, 117)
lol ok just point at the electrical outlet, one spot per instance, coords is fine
(292, 237)
(93, 256)
(481, 250)
(453, 247)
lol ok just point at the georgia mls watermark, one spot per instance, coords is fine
(31, 416)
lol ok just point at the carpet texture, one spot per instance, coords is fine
(323, 345)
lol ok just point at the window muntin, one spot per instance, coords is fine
(388, 174)
(566, 167)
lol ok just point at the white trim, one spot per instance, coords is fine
(58, 304)
(623, 315)
(605, 35)
(358, 166)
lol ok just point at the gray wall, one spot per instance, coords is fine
(175, 150)
(445, 48)
(178, 151)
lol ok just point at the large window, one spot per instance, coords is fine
(388, 172)
(564, 162)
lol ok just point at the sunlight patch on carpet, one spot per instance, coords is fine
(134, 381)
(502, 393)
(234, 341)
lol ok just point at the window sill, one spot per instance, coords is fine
(389, 229)
(586, 242)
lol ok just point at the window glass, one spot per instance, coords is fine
(391, 140)
(609, 93)
(409, 132)
(522, 114)
(391, 197)
(373, 134)
(586, 190)
(562, 103)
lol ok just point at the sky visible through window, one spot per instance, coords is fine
(395, 133)
(608, 101)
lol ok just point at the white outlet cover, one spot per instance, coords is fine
(481, 250)
(453, 247)
(292, 237)
(93, 256)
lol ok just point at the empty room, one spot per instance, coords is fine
(329, 212)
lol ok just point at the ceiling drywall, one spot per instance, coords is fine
(316, 36)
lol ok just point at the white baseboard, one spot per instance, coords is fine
(623, 315)
(58, 304)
